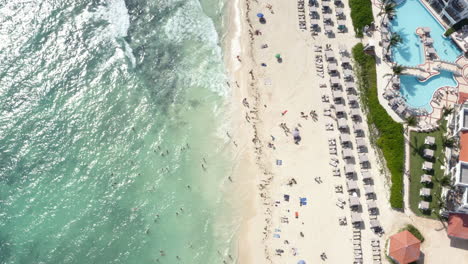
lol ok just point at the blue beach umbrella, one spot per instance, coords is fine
(260, 15)
(301, 262)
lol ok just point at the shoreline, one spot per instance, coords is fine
(247, 157)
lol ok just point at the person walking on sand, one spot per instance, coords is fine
(238, 58)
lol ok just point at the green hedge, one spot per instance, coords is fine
(361, 14)
(456, 27)
(390, 133)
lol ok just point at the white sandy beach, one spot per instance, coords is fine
(293, 85)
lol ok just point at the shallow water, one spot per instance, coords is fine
(107, 110)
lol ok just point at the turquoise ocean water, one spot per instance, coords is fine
(107, 110)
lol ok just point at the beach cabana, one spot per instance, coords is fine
(335, 81)
(426, 178)
(348, 73)
(349, 169)
(337, 95)
(329, 55)
(332, 67)
(429, 141)
(314, 21)
(361, 143)
(347, 153)
(339, 109)
(364, 160)
(366, 175)
(371, 205)
(328, 28)
(356, 218)
(354, 201)
(423, 205)
(427, 166)
(358, 128)
(425, 192)
(345, 60)
(428, 153)
(349, 85)
(355, 113)
(352, 185)
(352, 98)
(342, 123)
(313, 8)
(368, 189)
(404, 247)
(375, 224)
(339, 11)
(345, 138)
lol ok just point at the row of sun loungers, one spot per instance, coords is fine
(301, 15)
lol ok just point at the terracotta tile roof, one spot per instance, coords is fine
(404, 247)
(463, 146)
(462, 97)
(458, 225)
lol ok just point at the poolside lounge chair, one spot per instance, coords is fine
(401, 109)
(429, 42)
(426, 30)
(364, 160)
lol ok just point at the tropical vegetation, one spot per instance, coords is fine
(386, 133)
(361, 15)
(438, 175)
(456, 27)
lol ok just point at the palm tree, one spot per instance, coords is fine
(394, 41)
(445, 181)
(448, 142)
(398, 69)
(411, 121)
(387, 9)
(448, 111)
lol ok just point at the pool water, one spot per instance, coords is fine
(410, 15)
(419, 94)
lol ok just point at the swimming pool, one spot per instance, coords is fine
(410, 15)
(419, 94)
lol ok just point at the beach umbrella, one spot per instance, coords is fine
(301, 262)
(260, 15)
(278, 56)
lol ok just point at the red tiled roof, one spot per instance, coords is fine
(463, 146)
(462, 97)
(458, 225)
(404, 247)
